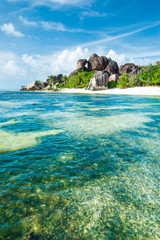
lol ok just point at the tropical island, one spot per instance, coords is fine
(100, 73)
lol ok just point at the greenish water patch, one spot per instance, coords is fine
(80, 167)
(16, 141)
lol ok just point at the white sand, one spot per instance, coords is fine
(127, 91)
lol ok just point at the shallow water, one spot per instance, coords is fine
(75, 166)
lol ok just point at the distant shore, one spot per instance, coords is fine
(127, 91)
(151, 91)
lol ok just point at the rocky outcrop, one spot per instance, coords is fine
(59, 77)
(55, 79)
(74, 73)
(128, 68)
(52, 88)
(99, 81)
(113, 77)
(81, 63)
(112, 67)
(55, 87)
(106, 69)
(36, 85)
(97, 63)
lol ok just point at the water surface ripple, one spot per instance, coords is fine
(78, 166)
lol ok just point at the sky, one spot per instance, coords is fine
(39, 38)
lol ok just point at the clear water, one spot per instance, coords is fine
(78, 166)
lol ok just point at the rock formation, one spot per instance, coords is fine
(74, 73)
(98, 63)
(36, 85)
(113, 77)
(81, 63)
(55, 79)
(112, 67)
(50, 84)
(99, 81)
(128, 68)
(106, 70)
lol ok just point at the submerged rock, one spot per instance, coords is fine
(99, 81)
(34, 236)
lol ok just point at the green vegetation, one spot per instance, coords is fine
(156, 78)
(111, 84)
(149, 77)
(123, 81)
(61, 85)
(53, 80)
(80, 80)
(64, 78)
(126, 81)
(50, 78)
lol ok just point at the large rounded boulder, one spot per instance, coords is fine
(97, 63)
(113, 77)
(99, 81)
(36, 85)
(112, 67)
(128, 68)
(81, 63)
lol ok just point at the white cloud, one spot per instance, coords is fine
(67, 60)
(55, 3)
(9, 29)
(11, 68)
(58, 26)
(26, 22)
(16, 71)
(10, 65)
(120, 59)
(64, 62)
(142, 61)
(111, 38)
(12, 71)
(54, 26)
(144, 54)
(139, 60)
(91, 13)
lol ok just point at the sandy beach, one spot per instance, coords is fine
(153, 91)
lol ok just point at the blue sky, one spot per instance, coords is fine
(43, 37)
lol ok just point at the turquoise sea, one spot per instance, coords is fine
(76, 166)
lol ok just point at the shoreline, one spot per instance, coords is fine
(150, 91)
